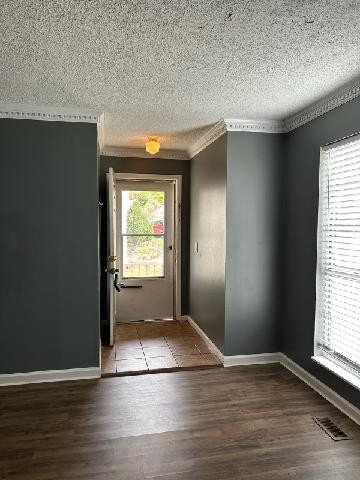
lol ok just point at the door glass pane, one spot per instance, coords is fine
(143, 212)
(143, 256)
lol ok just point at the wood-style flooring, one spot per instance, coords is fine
(239, 423)
(148, 347)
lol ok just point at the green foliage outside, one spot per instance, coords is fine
(145, 206)
(137, 222)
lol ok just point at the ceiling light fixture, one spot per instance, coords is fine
(152, 146)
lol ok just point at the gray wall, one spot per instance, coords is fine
(156, 166)
(299, 236)
(208, 227)
(49, 308)
(252, 236)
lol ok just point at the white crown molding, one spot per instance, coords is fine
(50, 376)
(49, 114)
(317, 109)
(234, 125)
(141, 153)
(256, 126)
(70, 114)
(326, 104)
(207, 138)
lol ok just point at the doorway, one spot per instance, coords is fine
(146, 250)
(147, 333)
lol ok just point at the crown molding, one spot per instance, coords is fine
(207, 138)
(49, 114)
(234, 125)
(262, 126)
(141, 153)
(69, 114)
(326, 104)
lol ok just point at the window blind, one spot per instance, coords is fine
(337, 332)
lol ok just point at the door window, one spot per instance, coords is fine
(143, 233)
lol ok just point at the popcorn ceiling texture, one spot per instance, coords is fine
(171, 68)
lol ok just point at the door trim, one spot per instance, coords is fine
(177, 179)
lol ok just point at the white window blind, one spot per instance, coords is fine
(337, 332)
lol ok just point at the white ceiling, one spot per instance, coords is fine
(172, 68)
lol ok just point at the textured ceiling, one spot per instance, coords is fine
(171, 68)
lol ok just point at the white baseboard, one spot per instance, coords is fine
(339, 402)
(264, 358)
(203, 335)
(254, 359)
(50, 376)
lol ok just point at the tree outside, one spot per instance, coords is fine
(145, 253)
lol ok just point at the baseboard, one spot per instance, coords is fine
(49, 376)
(264, 358)
(254, 359)
(203, 335)
(339, 402)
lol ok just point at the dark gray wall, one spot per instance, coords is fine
(208, 227)
(157, 166)
(301, 170)
(252, 236)
(49, 294)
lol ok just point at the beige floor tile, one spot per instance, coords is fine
(126, 344)
(157, 345)
(203, 347)
(196, 360)
(126, 335)
(183, 339)
(125, 329)
(211, 359)
(150, 335)
(128, 353)
(173, 331)
(153, 342)
(152, 352)
(107, 353)
(184, 349)
(108, 366)
(131, 366)
(162, 363)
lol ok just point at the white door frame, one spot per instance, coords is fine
(177, 179)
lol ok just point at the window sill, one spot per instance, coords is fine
(339, 371)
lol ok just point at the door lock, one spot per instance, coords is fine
(112, 271)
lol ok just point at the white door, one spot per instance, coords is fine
(111, 260)
(145, 245)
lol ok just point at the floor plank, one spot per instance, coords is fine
(221, 424)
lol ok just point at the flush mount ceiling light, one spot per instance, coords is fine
(152, 146)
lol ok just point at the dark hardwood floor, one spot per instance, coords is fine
(220, 424)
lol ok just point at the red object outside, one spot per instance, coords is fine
(158, 229)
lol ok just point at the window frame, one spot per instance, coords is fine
(330, 361)
(164, 236)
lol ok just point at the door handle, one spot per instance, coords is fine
(122, 285)
(116, 283)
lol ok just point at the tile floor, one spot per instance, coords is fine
(157, 346)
